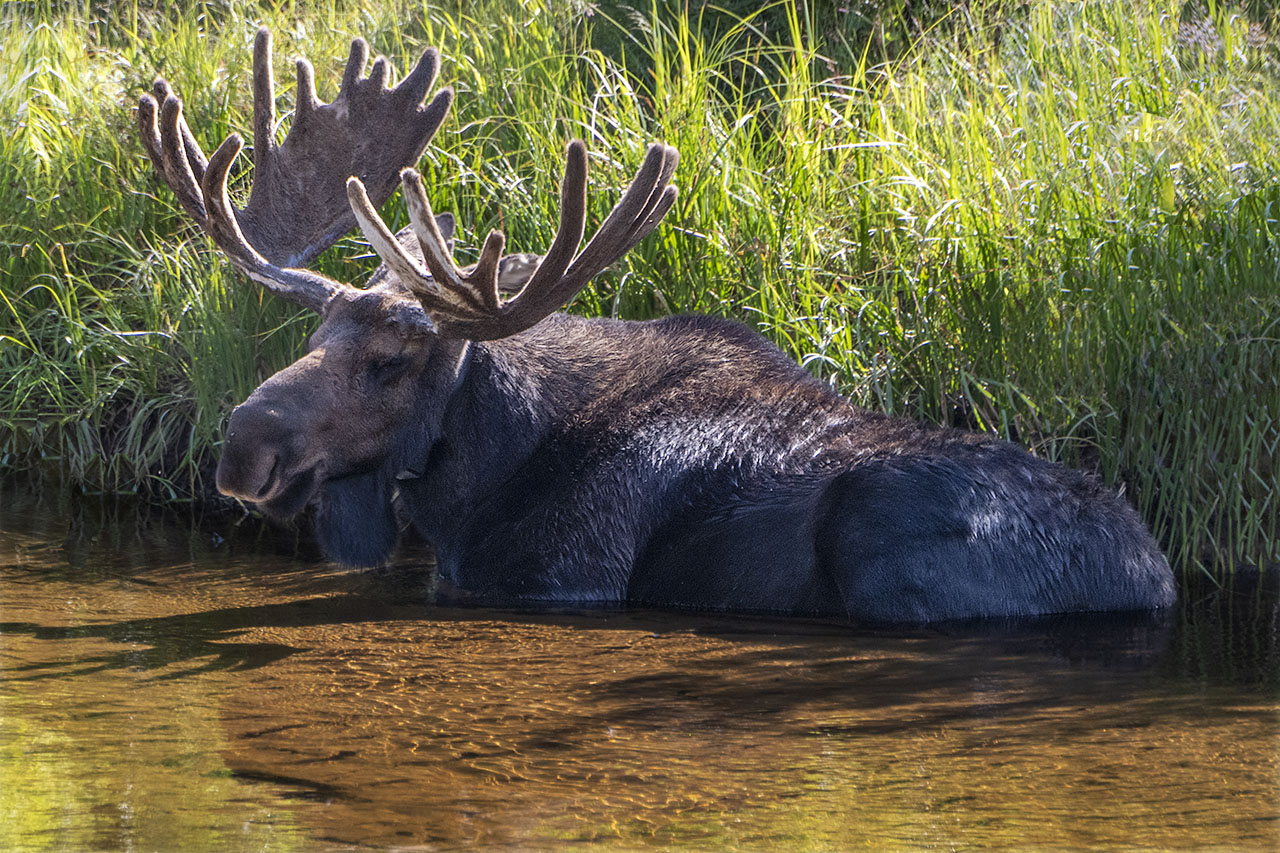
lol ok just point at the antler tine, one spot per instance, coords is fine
(631, 211)
(435, 249)
(573, 223)
(148, 116)
(305, 98)
(641, 207)
(172, 150)
(355, 63)
(415, 86)
(486, 270)
(264, 101)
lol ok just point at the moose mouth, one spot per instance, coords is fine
(286, 499)
(278, 492)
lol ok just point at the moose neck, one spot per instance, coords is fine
(509, 395)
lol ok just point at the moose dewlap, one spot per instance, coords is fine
(680, 462)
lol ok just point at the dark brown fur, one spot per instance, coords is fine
(681, 462)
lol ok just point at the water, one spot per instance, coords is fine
(165, 685)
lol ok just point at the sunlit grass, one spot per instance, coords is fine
(1054, 224)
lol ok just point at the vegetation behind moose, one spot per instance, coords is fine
(546, 457)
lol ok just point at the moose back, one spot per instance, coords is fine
(680, 462)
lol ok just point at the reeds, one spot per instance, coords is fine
(1054, 223)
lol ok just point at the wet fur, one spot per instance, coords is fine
(687, 462)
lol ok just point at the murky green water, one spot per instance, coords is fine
(159, 691)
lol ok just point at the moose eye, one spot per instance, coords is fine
(385, 370)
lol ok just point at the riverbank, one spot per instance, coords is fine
(1056, 224)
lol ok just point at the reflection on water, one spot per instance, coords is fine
(170, 686)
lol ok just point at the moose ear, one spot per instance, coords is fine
(447, 225)
(515, 270)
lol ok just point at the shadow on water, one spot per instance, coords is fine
(374, 710)
(1219, 633)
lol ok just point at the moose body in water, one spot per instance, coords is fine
(681, 462)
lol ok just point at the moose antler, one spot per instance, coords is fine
(297, 207)
(465, 302)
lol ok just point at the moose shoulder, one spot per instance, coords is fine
(679, 462)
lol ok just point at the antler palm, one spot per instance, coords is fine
(298, 205)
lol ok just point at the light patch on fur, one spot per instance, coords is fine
(987, 521)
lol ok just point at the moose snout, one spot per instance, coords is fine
(248, 476)
(251, 465)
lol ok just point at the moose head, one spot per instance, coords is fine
(683, 461)
(334, 417)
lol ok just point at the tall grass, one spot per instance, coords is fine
(1055, 223)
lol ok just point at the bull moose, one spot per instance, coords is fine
(678, 462)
